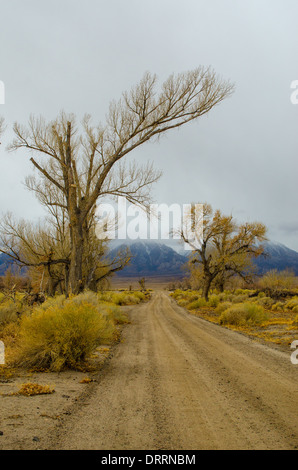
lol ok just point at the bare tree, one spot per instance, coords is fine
(83, 166)
(142, 284)
(45, 251)
(35, 246)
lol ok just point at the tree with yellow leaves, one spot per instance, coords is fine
(226, 248)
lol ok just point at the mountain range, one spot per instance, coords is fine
(154, 259)
(157, 259)
(5, 262)
(151, 259)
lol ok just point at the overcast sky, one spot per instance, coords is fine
(79, 55)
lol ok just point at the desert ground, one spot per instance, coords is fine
(174, 381)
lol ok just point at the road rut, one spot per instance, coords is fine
(179, 382)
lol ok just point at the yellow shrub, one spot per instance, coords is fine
(266, 302)
(291, 304)
(279, 306)
(183, 302)
(276, 281)
(213, 300)
(237, 299)
(244, 314)
(197, 304)
(56, 301)
(10, 311)
(222, 307)
(62, 337)
(31, 389)
(139, 295)
(122, 298)
(113, 312)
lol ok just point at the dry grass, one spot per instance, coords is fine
(86, 380)
(31, 389)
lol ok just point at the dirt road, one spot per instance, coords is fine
(178, 382)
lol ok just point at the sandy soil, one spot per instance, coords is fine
(174, 382)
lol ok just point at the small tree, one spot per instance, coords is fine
(12, 283)
(226, 248)
(275, 283)
(142, 284)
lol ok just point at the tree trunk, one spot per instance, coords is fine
(76, 260)
(206, 287)
(221, 286)
(51, 286)
(66, 280)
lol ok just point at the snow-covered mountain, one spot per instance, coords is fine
(150, 258)
(277, 256)
(5, 262)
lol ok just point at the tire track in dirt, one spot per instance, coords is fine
(179, 382)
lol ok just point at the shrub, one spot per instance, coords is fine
(105, 296)
(276, 281)
(88, 297)
(222, 307)
(126, 299)
(293, 303)
(242, 291)
(176, 294)
(192, 297)
(266, 302)
(183, 302)
(279, 306)
(243, 314)
(62, 337)
(56, 301)
(197, 304)
(121, 298)
(9, 312)
(114, 313)
(139, 295)
(237, 299)
(213, 300)
(223, 297)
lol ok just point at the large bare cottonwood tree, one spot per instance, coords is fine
(81, 165)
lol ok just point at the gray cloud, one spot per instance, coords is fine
(79, 56)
